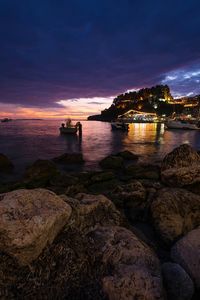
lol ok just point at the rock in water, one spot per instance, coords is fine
(5, 163)
(112, 162)
(175, 212)
(29, 220)
(143, 171)
(128, 155)
(177, 282)
(133, 268)
(40, 172)
(69, 158)
(181, 167)
(186, 252)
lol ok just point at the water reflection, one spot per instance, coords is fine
(26, 141)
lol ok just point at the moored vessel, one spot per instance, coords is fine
(186, 124)
(69, 128)
(119, 125)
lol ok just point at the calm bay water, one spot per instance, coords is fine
(25, 141)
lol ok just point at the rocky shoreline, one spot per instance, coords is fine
(130, 231)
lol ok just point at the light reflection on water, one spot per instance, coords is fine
(26, 141)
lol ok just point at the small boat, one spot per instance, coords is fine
(182, 124)
(6, 120)
(119, 126)
(69, 128)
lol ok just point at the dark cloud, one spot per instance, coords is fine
(53, 50)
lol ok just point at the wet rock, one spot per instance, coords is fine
(175, 212)
(148, 183)
(104, 186)
(29, 220)
(186, 252)
(128, 155)
(177, 282)
(69, 158)
(90, 211)
(66, 269)
(181, 177)
(132, 198)
(180, 157)
(112, 162)
(5, 163)
(102, 176)
(40, 172)
(75, 189)
(181, 167)
(143, 171)
(62, 179)
(133, 268)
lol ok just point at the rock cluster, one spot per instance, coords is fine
(130, 231)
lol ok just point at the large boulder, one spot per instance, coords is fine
(180, 157)
(181, 167)
(90, 211)
(133, 270)
(69, 158)
(40, 172)
(175, 212)
(186, 252)
(112, 162)
(143, 171)
(180, 177)
(5, 163)
(177, 282)
(29, 220)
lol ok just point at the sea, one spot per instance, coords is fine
(25, 141)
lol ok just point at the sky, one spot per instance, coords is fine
(71, 58)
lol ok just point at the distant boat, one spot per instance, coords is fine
(6, 120)
(69, 128)
(177, 123)
(119, 126)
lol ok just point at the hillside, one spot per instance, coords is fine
(157, 99)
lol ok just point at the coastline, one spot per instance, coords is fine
(127, 204)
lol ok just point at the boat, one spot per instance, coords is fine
(6, 120)
(69, 128)
(178, 123)
(119, 126)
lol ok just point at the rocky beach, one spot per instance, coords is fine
(129, 231)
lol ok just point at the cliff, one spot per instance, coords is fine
(157, 99)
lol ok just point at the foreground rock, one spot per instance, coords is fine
(175, 212)
(29, 220)
(134, 268)
(5, 163)
(186, 252)
(182, 156)
(90, 211)
(177, 282)
(181, 167)
(69, 158)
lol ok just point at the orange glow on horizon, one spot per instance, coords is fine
(75, 109)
